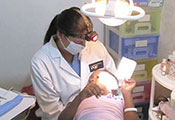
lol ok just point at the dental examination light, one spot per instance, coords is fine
(112, 12)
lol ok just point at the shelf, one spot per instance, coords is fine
(163, 80)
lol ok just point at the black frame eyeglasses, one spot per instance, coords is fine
(91, 36)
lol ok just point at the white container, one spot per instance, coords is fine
(172, 102)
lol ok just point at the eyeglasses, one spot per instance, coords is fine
(91, 36)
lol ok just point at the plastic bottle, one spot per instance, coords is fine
(164, 70)
(164, 67)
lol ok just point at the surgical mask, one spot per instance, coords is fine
(73, 47)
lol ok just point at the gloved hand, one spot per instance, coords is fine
(91, 89)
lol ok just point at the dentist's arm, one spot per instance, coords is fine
(127, 87)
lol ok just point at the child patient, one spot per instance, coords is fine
(106, 81)
(110, 106)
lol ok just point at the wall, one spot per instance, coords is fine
(23, 24)
(166, 42)
(167, 33)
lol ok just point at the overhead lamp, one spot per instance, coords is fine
(113, 12)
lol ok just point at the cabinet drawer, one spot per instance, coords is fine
(141, 92)
(149, 24)
(143, 69)
(138, 47)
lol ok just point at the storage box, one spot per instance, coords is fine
(141, 92)
(138, 47)
(149, 24)
(143, 69)
(140, 2)
(155, 3)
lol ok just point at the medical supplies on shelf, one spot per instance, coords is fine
(168, 66)
(165, 82)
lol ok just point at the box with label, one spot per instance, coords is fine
(149, 24)
(140, 2)
(143, 69)
(155, 3)
(137, 47)
(141, 92)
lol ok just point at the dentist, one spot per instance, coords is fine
(60, 69)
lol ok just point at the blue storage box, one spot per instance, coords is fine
(137, 47)
(140, 2)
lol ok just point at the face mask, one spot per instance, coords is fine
(73, 47)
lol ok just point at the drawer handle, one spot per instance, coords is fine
(143, 28)
(140, 75)
(140, 52)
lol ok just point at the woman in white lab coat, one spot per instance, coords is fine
(61, 67)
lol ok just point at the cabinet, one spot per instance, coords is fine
(138, 40)
(162, 80)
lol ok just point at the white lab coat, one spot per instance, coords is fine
(56, 83)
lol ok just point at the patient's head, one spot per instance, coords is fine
(105, 79)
